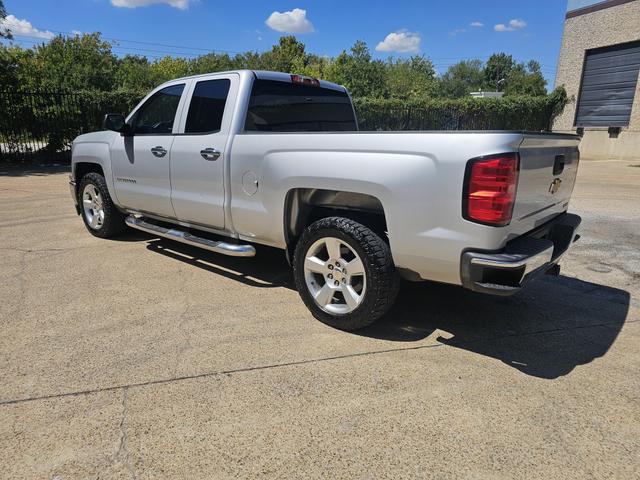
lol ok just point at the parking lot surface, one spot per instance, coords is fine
(144, 358)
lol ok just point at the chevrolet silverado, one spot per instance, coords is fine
(227, 160)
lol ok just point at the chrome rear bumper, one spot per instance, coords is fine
(505, 272)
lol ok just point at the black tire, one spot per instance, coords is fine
(382, 280)
(113, 223)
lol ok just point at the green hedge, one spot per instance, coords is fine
(43, 124)
(509, 113)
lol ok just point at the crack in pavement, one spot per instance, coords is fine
(187, 337)
(122, 452)
(162, 381)
(54, 218)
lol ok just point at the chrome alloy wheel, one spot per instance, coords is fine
(93, 206)
(335, 275)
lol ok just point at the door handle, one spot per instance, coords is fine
(159, 151)
(210, 154)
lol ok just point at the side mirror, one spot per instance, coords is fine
(116, 123)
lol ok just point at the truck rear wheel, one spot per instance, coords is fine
(99, 214)
(344, 273)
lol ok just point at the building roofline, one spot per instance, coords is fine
(595, 7)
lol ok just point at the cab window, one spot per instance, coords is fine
(207, 106)
(277, 106)
(156, 115)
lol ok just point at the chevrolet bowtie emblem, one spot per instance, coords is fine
(555, 186)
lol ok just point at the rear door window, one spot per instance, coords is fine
(207, 106)
(277, 106)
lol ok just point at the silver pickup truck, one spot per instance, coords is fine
(227, 160)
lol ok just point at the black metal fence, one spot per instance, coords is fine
(40, 126)
(511, 113)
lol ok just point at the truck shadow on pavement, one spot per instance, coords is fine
(548, 329)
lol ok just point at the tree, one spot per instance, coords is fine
(358, 72)
(287, 56)
(410, 79)
(86, 62)
(496, 71)
(211, 62)
(134, 73)
(462, 78)
(4, 32)
(168, 68)
(70, 63)
(526, 80)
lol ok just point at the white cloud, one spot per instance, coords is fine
(181, 4)
(514, 24)
(294, 21)
(401, 41)
(24, 28)
(476, 24)
(77, 33)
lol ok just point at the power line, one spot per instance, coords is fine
(72, 34)
(124, 49)
(121, 47)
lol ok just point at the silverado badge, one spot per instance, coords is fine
(555, 186)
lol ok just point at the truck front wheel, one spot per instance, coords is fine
(344, 273)
(100, 215)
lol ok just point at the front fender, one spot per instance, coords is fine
(97, 153)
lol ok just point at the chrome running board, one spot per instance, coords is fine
(234, 250)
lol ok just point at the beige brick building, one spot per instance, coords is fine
(598, 65)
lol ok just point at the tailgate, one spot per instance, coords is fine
(548, 168)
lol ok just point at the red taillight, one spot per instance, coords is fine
(490, 189)
(302, 80)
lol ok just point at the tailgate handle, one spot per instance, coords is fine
(558, 165)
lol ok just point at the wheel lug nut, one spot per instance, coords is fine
(344, 280)
(337, 264)
(330, 267)
(336, 283)
(330, 276)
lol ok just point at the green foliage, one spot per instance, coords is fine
(526, 80)
(134, 72)
(4, 33)
(86, 62)
(462, 78)
(69, 64)
(497, 70)
(412, 79)
(78, 79)
(511, 113)
(288, 56)
(358, 72)
(11, 59)
(44, 124)
(503, 74)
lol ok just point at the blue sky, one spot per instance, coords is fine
(445, 31)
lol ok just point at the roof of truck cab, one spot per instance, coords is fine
(263, 75)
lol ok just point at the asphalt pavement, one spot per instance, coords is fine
(145, 358)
